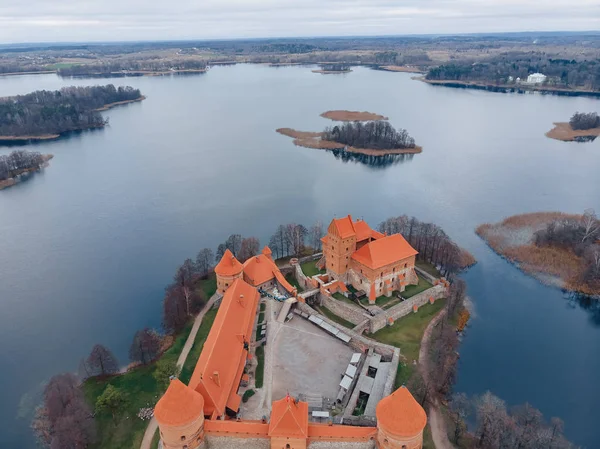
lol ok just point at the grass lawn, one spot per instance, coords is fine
(406, 334)
(292, 280)
(340, 297)
(333, 317)
(155, 440)
(381, 301)
(310, 268)
(208, 285)
(412, 290)
(142, 391)
(260, 369)
(194, 355)
(428, 267)
(261, 317)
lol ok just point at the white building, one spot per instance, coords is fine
(536, 78)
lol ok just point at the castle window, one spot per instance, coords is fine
(182, 437)
(405, 265)
(346, 249)
(331, 246)
(382, 274)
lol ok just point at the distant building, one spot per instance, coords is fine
(536, 78)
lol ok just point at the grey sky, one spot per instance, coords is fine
(92, 20)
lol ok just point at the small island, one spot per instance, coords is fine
(556, 248)
(582, 127)
(351, 116)
(46, 115)
(375, 137)
(332, 69)
(18, 164)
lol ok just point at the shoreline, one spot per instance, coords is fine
(352, 116)
(47, 137)
(509, 88)
(512, 239)
(131, 73)
(6, 183)
(314, 140)
(562, 131)
(331, 72)
(40, 72)
(400, 69)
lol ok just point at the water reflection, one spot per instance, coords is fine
(376, 162)
(588, 303)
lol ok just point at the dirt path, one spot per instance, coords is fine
(153, 425)
(436, 420)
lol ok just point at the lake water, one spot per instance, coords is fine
(89, 244)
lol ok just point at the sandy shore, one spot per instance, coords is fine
(106, 107)
(352, 116)
(400, 68)
(563, 131)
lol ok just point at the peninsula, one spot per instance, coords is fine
(46, 115)
(581, 127)
(351, 116)
(19, 163)
(556, 248)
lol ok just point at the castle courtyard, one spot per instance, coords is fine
(307, 360)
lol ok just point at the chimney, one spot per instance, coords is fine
(216, 378)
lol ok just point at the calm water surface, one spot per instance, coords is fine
(89, 244)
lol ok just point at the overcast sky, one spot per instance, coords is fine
(109, 20)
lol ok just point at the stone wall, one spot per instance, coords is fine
(391, 379)
(426, 275)
(351, 313)
(404, 308)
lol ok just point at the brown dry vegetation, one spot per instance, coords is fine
(352, 116)
(466, 259)
(401, 68)
(513, 239)
(563, 131)
(298, 134)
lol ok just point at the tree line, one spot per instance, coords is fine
(18, 162)
(56, 112)
(582, 120)
(132, 65)
(379, 135)
(497, 69)
(579, 236)
(430, 240)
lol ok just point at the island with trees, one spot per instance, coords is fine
(46, 115)
(375, 137)
(134, 67)
(333, 68)
(16, 165)
(558, 249)
(582, 127)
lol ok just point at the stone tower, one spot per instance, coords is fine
(400, 421)
(180, 417)
(228, 270)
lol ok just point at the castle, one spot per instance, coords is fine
(372, 262)
(205, 413)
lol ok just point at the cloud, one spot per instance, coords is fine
(80, 20)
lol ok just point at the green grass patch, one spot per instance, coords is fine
(259, 375)
(293, 281)
(155, 440)
(406, 334)
(208, 285)
(61, 65)
(261, 317)
(428, 268)
(427, 438)
(258, 329)
(310, 268)
(194, 355)
(333, 317)
(340, 297)
(262, 307)
(381, 301)
(247, 395)
(412, 290)
(141, 389)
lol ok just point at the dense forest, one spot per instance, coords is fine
(55, 112)
(567, 73)
(581, 120)
(17, 162)
(378, 135)
(132, 65)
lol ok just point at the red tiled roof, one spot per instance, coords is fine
(220, 367)
(340, 433)
(384, 251)
(259, 269)
(400, 414)
(180, 405)
(289, 419)
(344, 226)
(228, 265)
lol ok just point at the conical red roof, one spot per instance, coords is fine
(228, 265)
(400, 414)
(180, 405)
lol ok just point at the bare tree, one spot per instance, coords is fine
(145, 346)
(459, 406)
(175, 314)
(591, 225)
(491, 414)
(58, 393)
(102, 361)
(248, 248)
(204, 261)
(316, 233)
(184, 278)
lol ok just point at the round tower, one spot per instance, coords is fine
(228, 270)
(400, 421)
(180, 417)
